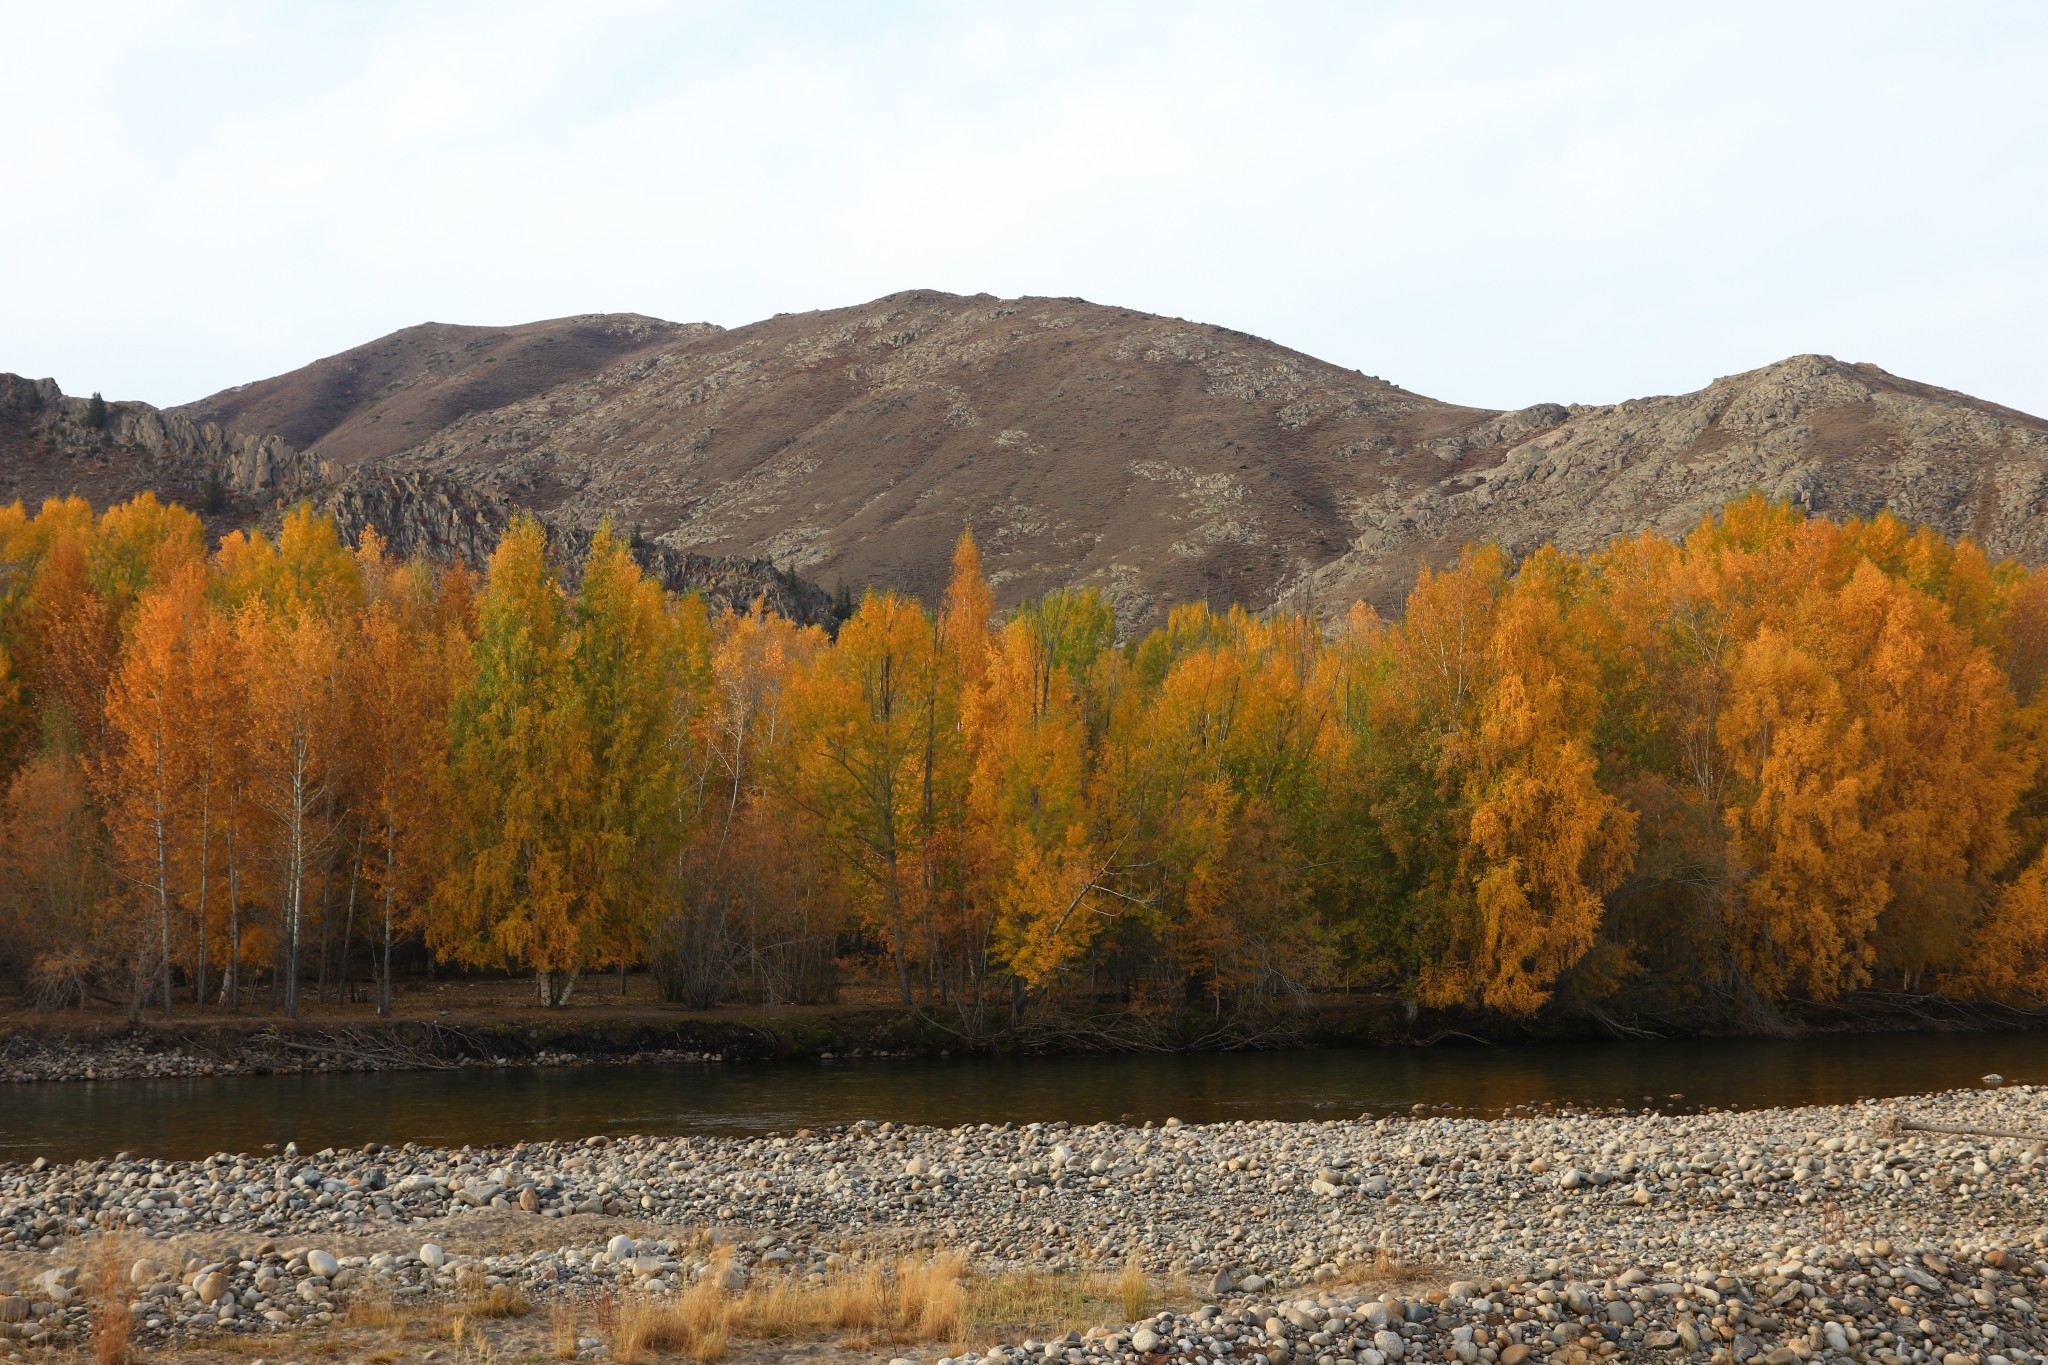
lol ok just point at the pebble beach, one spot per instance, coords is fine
(1821, 1233)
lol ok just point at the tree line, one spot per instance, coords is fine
(1777, 759)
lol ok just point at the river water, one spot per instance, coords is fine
(67, 1120)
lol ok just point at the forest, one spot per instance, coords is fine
(1778, 760)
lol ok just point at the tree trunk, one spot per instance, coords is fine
(231, 988)
(390, 878)
(163, 891)
(348, 926)
(205, 865)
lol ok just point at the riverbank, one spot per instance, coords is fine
(1776, 1234)
(459, 1025)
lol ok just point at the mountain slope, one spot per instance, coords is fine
(1840, 439)
(1158, 459)
(380, 398)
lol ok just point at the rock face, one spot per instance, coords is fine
(1157, 459)
(434, 517)
(50, 448)
(1839, 439)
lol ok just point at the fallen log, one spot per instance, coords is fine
(1908, 1126)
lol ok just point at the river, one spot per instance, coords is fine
(187, 1118)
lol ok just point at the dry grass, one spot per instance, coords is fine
(374, 1309)
(632, 1325)
(496, 1302)
(1385, 1271)
(855, 1300)
(562, 1329)
(470, 1340)
(1133, 1290)
(931, 1298)
(1046, 1304)
(697, 1323)
(778, 1307)
(107, 1286)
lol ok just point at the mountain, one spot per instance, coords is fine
(397, 391)
(1158, 459)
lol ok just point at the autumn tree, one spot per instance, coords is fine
(515, 759)
(401, 674)
(295, 757)
(146, 765)
(863, 714)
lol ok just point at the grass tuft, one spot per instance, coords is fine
(562, 1329)
(497, 1301)
(373, 1308)
(1133, 1290)
(107, 1283)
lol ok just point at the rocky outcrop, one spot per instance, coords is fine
(54, 443)
(124, 449)
(433, 517)
(1838, 439)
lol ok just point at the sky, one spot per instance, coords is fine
(1494, 204)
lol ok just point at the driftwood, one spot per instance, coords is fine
(1908, 1126)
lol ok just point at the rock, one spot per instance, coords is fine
(322, 1263)
(14, 1308)
(144, 1271)
(733, 1279)
(1144, 1341)
(621, 1248)
(914, 1166)
(1389, 1344)
(1219, 1284)
(529, 1200)
(211, 1287)
(432, 1257)
(1621, 1313)
(1514, 1354)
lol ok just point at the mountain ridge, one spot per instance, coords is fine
(1158, 459)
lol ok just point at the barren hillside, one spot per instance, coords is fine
(1158, 459)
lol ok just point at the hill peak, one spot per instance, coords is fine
(1155, 458)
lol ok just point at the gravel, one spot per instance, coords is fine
(1771, 1235)
(25, 1059)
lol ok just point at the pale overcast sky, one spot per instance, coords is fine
(1490, 203)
